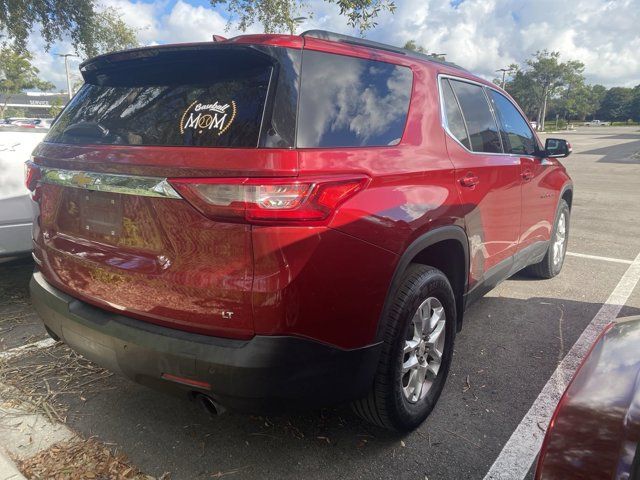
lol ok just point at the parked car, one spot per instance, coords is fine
(16, 211)
(24, 123)
(596, 123)
(595, 430)
(44, 123)
(278, 222)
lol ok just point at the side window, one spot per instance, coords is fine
(517, 136)
(351, 102)
(455, 122)
(483, 131)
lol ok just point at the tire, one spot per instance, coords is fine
(550, 266)
(393, 402)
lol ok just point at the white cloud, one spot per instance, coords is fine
(481, 35)
(484, 35)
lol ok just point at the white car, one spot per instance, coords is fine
(16, 207)
(596, 123)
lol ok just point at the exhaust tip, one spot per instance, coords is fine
(209, 405)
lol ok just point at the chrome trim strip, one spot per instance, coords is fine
(36, 259)
(109, 182)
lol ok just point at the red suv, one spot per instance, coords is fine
(281, 221)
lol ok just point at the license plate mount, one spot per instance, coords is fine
(101, 213)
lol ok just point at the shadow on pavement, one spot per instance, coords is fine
(628, 153)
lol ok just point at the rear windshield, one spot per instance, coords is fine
(237, 96)
(210, 98)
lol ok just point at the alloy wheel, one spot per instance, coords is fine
(423, 349)
(560, 240)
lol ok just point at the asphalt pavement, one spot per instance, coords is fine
(511, 343)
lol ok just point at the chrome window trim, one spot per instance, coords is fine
(443, 117)
(494, 115)
(109, 182)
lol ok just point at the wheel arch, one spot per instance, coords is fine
(566, 194)
(445, 248)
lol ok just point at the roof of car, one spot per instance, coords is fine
(269, 39)
(361, 42)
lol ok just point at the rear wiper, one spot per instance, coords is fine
(86, 129)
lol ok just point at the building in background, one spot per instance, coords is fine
(34, 104)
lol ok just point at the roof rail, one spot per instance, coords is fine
(361, 42)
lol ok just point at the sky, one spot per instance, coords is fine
(480, 35)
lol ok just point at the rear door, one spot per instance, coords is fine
(113, 229)
(488, 180)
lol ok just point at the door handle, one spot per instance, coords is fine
(469, 180)
(527, 175)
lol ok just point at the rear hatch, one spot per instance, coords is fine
(115, 229)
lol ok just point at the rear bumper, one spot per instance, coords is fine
(266, 373)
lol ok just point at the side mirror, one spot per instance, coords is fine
(557, 148)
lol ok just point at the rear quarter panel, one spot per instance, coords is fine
(331, 283)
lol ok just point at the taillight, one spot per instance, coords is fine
(32, 175)
(267, 201)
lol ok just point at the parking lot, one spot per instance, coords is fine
(511, 343)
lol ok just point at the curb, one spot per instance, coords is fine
(8, 470)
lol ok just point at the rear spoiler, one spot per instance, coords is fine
(92, 69)
(106, 59)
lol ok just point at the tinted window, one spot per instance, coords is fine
(212, 98)
(482, 127)
(351, 102)
(455, 122)
(516, 134)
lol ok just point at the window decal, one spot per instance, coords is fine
(208, 116)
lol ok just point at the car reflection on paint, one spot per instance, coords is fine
(595, 430)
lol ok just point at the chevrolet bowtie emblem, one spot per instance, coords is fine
(82, 179)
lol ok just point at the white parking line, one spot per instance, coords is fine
(520, 451)
(16, 352)
(596, 257)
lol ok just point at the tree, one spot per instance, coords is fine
(413, 46)
(544, 77)
(549, 76)
(18, 74)
(277, 16)
(79, 20)
(56, 107)
(110, 33)
(58, 19)
(597, 95)
(617, 104)
(522, 87)
(635, 104)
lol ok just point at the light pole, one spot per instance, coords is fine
(66, 67)
(504, 71)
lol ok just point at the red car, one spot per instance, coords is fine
(595, 431)
(282, 221)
